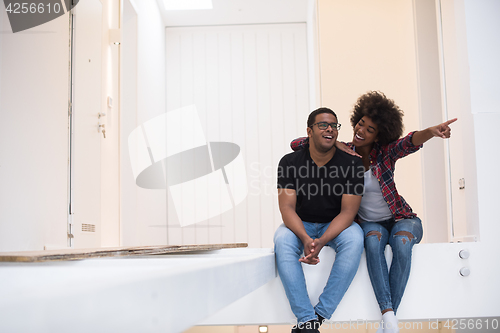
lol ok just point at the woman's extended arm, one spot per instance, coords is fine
(299, 143)
(441, 131)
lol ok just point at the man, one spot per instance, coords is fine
(319, 192)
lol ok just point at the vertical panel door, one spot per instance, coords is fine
(86, 132)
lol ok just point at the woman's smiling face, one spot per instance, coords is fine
(365, 132)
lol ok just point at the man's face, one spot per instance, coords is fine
(323, 140)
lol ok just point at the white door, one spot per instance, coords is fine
(33, 135)
(85, 197)
(249, 84)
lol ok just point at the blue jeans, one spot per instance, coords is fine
(348, 246)
(389, 286)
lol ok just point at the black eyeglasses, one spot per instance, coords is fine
(323, 125)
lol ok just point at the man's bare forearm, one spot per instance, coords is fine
(294, 222)
(339, 224)
(287, 200)
(350, 206)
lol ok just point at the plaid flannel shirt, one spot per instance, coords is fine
(382, 164)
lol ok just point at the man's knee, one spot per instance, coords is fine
(353, 237)
(281, 233)
(285, 238)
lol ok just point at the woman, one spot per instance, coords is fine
(384, 215)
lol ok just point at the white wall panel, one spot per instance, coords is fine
(34, 135)
(110, 147)
(250, 87)
(252, 147)
(128, 122)
(143, 211)
(264, 91)
(227, 106)
(3, 18)
(484, 98)
(277, 115)
(211, 46)
(458, 82)
(431, 109)
(239, 130)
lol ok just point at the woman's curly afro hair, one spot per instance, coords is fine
(383, 112)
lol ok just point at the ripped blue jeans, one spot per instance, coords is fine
(348, 246)
(389, 285)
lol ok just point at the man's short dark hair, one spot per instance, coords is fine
(383, 112)
(312, 115)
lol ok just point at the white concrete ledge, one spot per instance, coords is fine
(227, 287)
(435, 290)
(148, 294)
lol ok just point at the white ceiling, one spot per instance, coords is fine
(226, 12)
